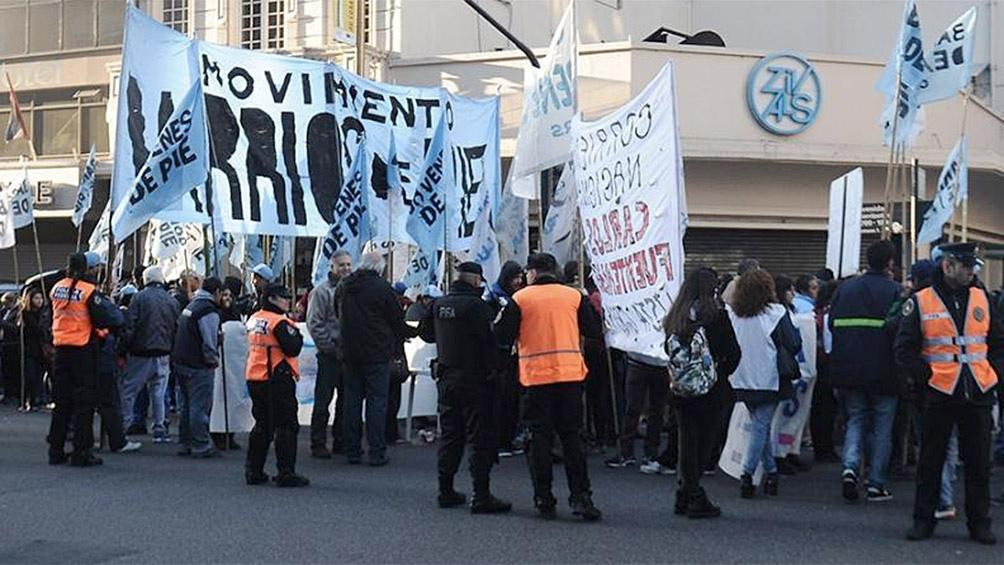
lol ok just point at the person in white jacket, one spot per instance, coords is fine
(769, 342)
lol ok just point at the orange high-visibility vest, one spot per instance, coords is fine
(71, 320)
(946, 351)
(263, 347)
(548, 341)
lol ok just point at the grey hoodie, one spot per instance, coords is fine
(322, 317)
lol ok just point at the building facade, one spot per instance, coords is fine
(751, 191)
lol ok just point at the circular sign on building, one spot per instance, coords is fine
(783, 93)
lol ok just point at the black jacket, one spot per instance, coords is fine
(460, 324)
(862, 345)
(371, 317)
(910, 338)
(507, 329)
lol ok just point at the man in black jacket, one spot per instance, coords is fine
(372, 323)
(951, 342)
(862, 369)
(460, 326)
(196, 356)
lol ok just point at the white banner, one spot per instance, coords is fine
(188, 241)
(85, 190)
(484, 249)
(902, 112)
(950, 60)
(953, 188)
(238, 400)
(98, 242)
(549, 104)
(560, 235)
(843, 241)
(632, 204)
(6, 223)
(177, 163)
(512, 228)
(22, 200)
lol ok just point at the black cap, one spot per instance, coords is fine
(965, 253)
(472, 268)
(542, 262)
(76, 263)
(212, 285)
(276, 289)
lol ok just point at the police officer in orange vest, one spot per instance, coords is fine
(951, 343)
(274, 342)
(547, 319)
(80, 313)
(460, 324)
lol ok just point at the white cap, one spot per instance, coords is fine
(153, 274)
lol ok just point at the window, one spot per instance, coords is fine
(47, 26)
(56, 131)
(59, 125)
(176, 15)
(262, 24)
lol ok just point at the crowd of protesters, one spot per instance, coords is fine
(905, 374)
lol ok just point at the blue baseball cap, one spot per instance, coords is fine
(94, 259)
(263, 271)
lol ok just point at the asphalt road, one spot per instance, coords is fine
(154, 507)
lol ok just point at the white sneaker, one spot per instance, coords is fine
(130, 446)
(656, 468)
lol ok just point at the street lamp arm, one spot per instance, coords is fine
(522, 47)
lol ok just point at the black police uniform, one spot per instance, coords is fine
(967, 408)
(460, 325)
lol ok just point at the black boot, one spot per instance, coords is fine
(746, 488)
(448, 497)
(291, 480)
(85, 459)
(982, 534)
(255, 477)
(488, 504)
(699, 506)
(680, 506)
(582, 505)
(546, 507)
(921, 530)
(770, 484)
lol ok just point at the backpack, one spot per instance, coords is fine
(691, 366)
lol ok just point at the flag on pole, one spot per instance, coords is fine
(950, 60)
(549, 103)
(560, 233)
(907, 63)
(178, 162)
(428, 207)
(98, 242)
(22, 200)
(6, 223)
(15, 124)
(85, 191)
(953, 188)
(351, 228)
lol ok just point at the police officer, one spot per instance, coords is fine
(461, 328)
(950, 342)
(547, 319)
(79, 313)
(274, 342)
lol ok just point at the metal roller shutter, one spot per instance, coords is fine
(788, 252)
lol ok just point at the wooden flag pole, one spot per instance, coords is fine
(38, 256)
(890, 167)
(80, 230)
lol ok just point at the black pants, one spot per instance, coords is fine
(549, 410)
(34, 371)
(697, 424)
(466, 417)
(599, 404)
(391, 431)
(329, 379)
(109, 406)
(274, 407)
(824, 413)
(644, 382)
(75, 391)
(974, 425)
(507, 393)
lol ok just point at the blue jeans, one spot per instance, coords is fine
(948, 472)
(759, 450)
(872, 414)
(369, 382)
(195, 401)
(150, 373)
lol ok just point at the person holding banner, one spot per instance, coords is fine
(546, 320)
(769, 342)
(951, 339)
(79, 313)
(273, 368)
(698, 312)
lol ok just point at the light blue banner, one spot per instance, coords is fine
(353, 226)
(953, 188)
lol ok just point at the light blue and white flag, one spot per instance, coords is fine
(85, 191)
(351, 229)
(953, 188)
(423, 269)
(6, 223)
(906, 62)
(178, 162)
(950, 62)
(560, 234)
(427, 213)
(98, 242)
(22, 200)
(280, 253)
